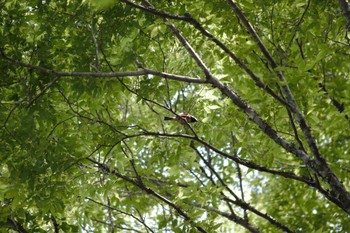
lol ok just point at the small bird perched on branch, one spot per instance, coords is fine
(182, 118)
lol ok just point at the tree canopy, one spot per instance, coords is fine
(85, 86)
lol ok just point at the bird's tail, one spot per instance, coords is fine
(169, 118)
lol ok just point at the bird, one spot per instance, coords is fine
(182, 118)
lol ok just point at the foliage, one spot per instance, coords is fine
(85, 87)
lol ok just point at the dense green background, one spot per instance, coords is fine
(90, 153)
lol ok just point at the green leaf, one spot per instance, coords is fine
(102, 4)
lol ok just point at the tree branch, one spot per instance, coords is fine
(289, 96)
(269, 218)
(344, 5)
(188, 18)
(56, 226)
(144, 71)
(150, 9)
(231, 217)
(16, 225)
(243, 162)
(190, 50)
(320, 166)
(148, 190)
(109, 207)
(240, 202)
(333, 197)
(339, 106)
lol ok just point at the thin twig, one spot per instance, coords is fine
(136, 73)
